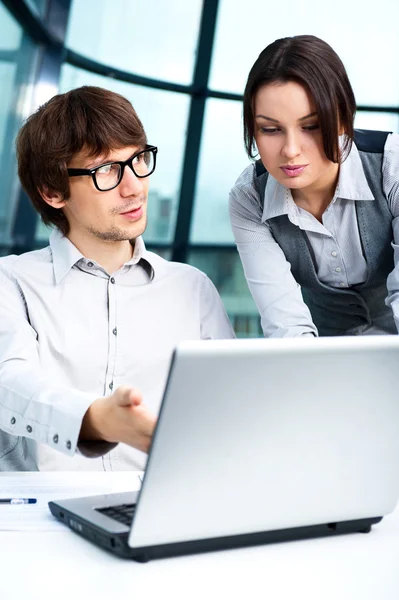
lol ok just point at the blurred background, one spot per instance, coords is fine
(183, 64)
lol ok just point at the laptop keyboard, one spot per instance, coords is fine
(122, 513)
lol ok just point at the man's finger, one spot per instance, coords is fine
(126, 396)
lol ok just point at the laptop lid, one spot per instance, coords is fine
(259, 435)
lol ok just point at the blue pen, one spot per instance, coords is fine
(18, 500)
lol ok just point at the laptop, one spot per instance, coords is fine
(259, 441)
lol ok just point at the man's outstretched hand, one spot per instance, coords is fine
(121, 417)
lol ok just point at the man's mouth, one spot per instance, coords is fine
(133, 214)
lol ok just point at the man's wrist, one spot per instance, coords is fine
(91, 424)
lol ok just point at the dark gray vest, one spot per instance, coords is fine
(335, 311)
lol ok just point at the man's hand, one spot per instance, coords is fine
(120, 417)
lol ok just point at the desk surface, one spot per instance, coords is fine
(59, 564)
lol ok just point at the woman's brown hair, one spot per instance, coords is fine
(312, 63)
(90, 118)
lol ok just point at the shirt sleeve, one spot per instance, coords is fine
(215, 324)
(390, 170)
(268, 273)
(31, 403)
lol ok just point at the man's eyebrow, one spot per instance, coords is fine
(313, 114)
(96, 162)
(104, 161)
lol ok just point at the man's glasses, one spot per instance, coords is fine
(107, 176)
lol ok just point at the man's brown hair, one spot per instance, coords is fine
(310, 61)
(89, 118)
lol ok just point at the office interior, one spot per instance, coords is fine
(183, 65)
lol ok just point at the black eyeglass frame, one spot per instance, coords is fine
(121, 163)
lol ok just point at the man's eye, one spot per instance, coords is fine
(137, 159)
(105, 170)
(108, 169)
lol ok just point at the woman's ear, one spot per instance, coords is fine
(54, 199)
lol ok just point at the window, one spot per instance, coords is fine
(156, 39)
(221, 161)
(349, 25)
(223, 267)
(17, 58)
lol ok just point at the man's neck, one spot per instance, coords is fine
(109, 254)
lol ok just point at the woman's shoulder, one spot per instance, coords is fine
(246, 178)
(392, 143)
(244, 198)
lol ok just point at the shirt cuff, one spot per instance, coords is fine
(52, 417)
(95, 448)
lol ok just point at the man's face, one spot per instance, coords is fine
(116, 215)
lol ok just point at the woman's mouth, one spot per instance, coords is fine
(293, 170)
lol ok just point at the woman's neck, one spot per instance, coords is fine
(317, 197)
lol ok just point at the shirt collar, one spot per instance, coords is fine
(143, 258)
(352, 185)
(66, 255)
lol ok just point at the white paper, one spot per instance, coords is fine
(45, 486)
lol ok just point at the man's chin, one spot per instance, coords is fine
(122, 234)
(138, 229)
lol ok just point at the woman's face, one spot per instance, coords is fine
(289, 139)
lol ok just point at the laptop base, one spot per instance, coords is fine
(118, 543)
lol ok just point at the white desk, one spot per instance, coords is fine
(59, 564)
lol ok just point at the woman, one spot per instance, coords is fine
(315, 219)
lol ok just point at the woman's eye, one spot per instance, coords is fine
(269, 130)
(312, 127)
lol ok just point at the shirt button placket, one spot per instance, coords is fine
(113, 333)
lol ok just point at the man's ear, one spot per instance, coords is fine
(54, 199)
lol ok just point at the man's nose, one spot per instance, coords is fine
(131, 184)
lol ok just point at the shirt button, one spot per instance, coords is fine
(90, 264)
(333, 253)
(29, 429)
(342, 284)
(68, 445)
(338, 269)
(13, 420)
(55, 438)
(115, 331)
(111, 385)
(112, 280)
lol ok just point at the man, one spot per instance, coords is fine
(94, 313)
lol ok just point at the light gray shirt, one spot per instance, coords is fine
(70, 333)
(335, 242)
